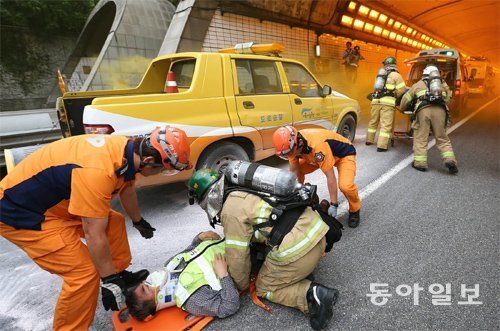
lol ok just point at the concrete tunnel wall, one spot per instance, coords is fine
(117, 44)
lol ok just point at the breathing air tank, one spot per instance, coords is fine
(262, 178)
(435, 83)
(380, 80)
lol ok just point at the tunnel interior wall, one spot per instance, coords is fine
(228, 29)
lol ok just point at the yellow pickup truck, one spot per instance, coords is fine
(228, 103)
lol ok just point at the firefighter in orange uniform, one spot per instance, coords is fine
(310, 149)
(62, 192)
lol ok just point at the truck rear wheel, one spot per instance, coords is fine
(347, 127)
(218, 155)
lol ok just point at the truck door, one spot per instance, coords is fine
(260, 100)
(309, 108)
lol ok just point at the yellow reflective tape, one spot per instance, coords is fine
(407, 96)
(448, 154)
(420, 157)
(400, 85)
(237, 242)
(297, 246)
(421, 93)
(385, 134)
(390, 86)
(372, 130)
(391, 101)
(269, 296)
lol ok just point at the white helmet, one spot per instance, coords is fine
(429, 69)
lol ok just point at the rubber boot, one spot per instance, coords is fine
(321, 300)
(133, 278)
(353, 219)
(452, 167)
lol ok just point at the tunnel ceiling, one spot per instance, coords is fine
(472, 26)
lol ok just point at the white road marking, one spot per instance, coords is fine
(373, 186)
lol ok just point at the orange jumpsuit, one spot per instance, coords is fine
(42, 201)
(326, 149)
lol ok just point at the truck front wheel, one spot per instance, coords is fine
(218, 155)
(347, 127)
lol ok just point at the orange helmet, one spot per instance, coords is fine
(173, 145)
(285, 141)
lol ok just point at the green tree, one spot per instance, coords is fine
(47, 16)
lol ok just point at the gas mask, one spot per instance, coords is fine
(213, 200)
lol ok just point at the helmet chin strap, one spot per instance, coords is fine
(141, 163)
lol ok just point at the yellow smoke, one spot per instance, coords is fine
(124, 73)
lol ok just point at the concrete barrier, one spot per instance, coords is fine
(27, 128)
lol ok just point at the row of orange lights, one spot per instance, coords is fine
(406, 35)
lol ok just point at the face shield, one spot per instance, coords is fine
(213, 200)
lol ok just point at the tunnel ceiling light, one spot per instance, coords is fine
(368, 27)
(398, 37)
(374, 14)
(403, 28)
(385, 33)
(377, 30)
(382, 18)
(392, 35)
(363, 11)
(424, 37)
(390, 22)
(352, 6)
(414, 43)
(358, 24)
(414, 33)
(397, 25)
(409, 30)
(419, 45)
(405, 40)
(346, 20)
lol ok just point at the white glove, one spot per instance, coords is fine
(332, 210)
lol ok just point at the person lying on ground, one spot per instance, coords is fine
(196, 280)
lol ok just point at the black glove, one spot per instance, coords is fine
(112, 288)
(144, 228)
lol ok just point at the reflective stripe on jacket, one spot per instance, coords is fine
(198, 272)
(395, 84)
(418, 90)
(241, 211)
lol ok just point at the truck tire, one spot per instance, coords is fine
(347, 127)
(218, 155)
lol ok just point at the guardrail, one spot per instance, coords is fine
(27, 128)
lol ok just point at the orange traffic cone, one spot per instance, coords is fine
(171, 84)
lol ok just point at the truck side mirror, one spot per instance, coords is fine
(326, 90)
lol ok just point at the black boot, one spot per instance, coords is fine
(381, 149)
(321, 300)
(368, 143)
(133, 278)
(353, 219)
(418, 168)
(452, 167)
